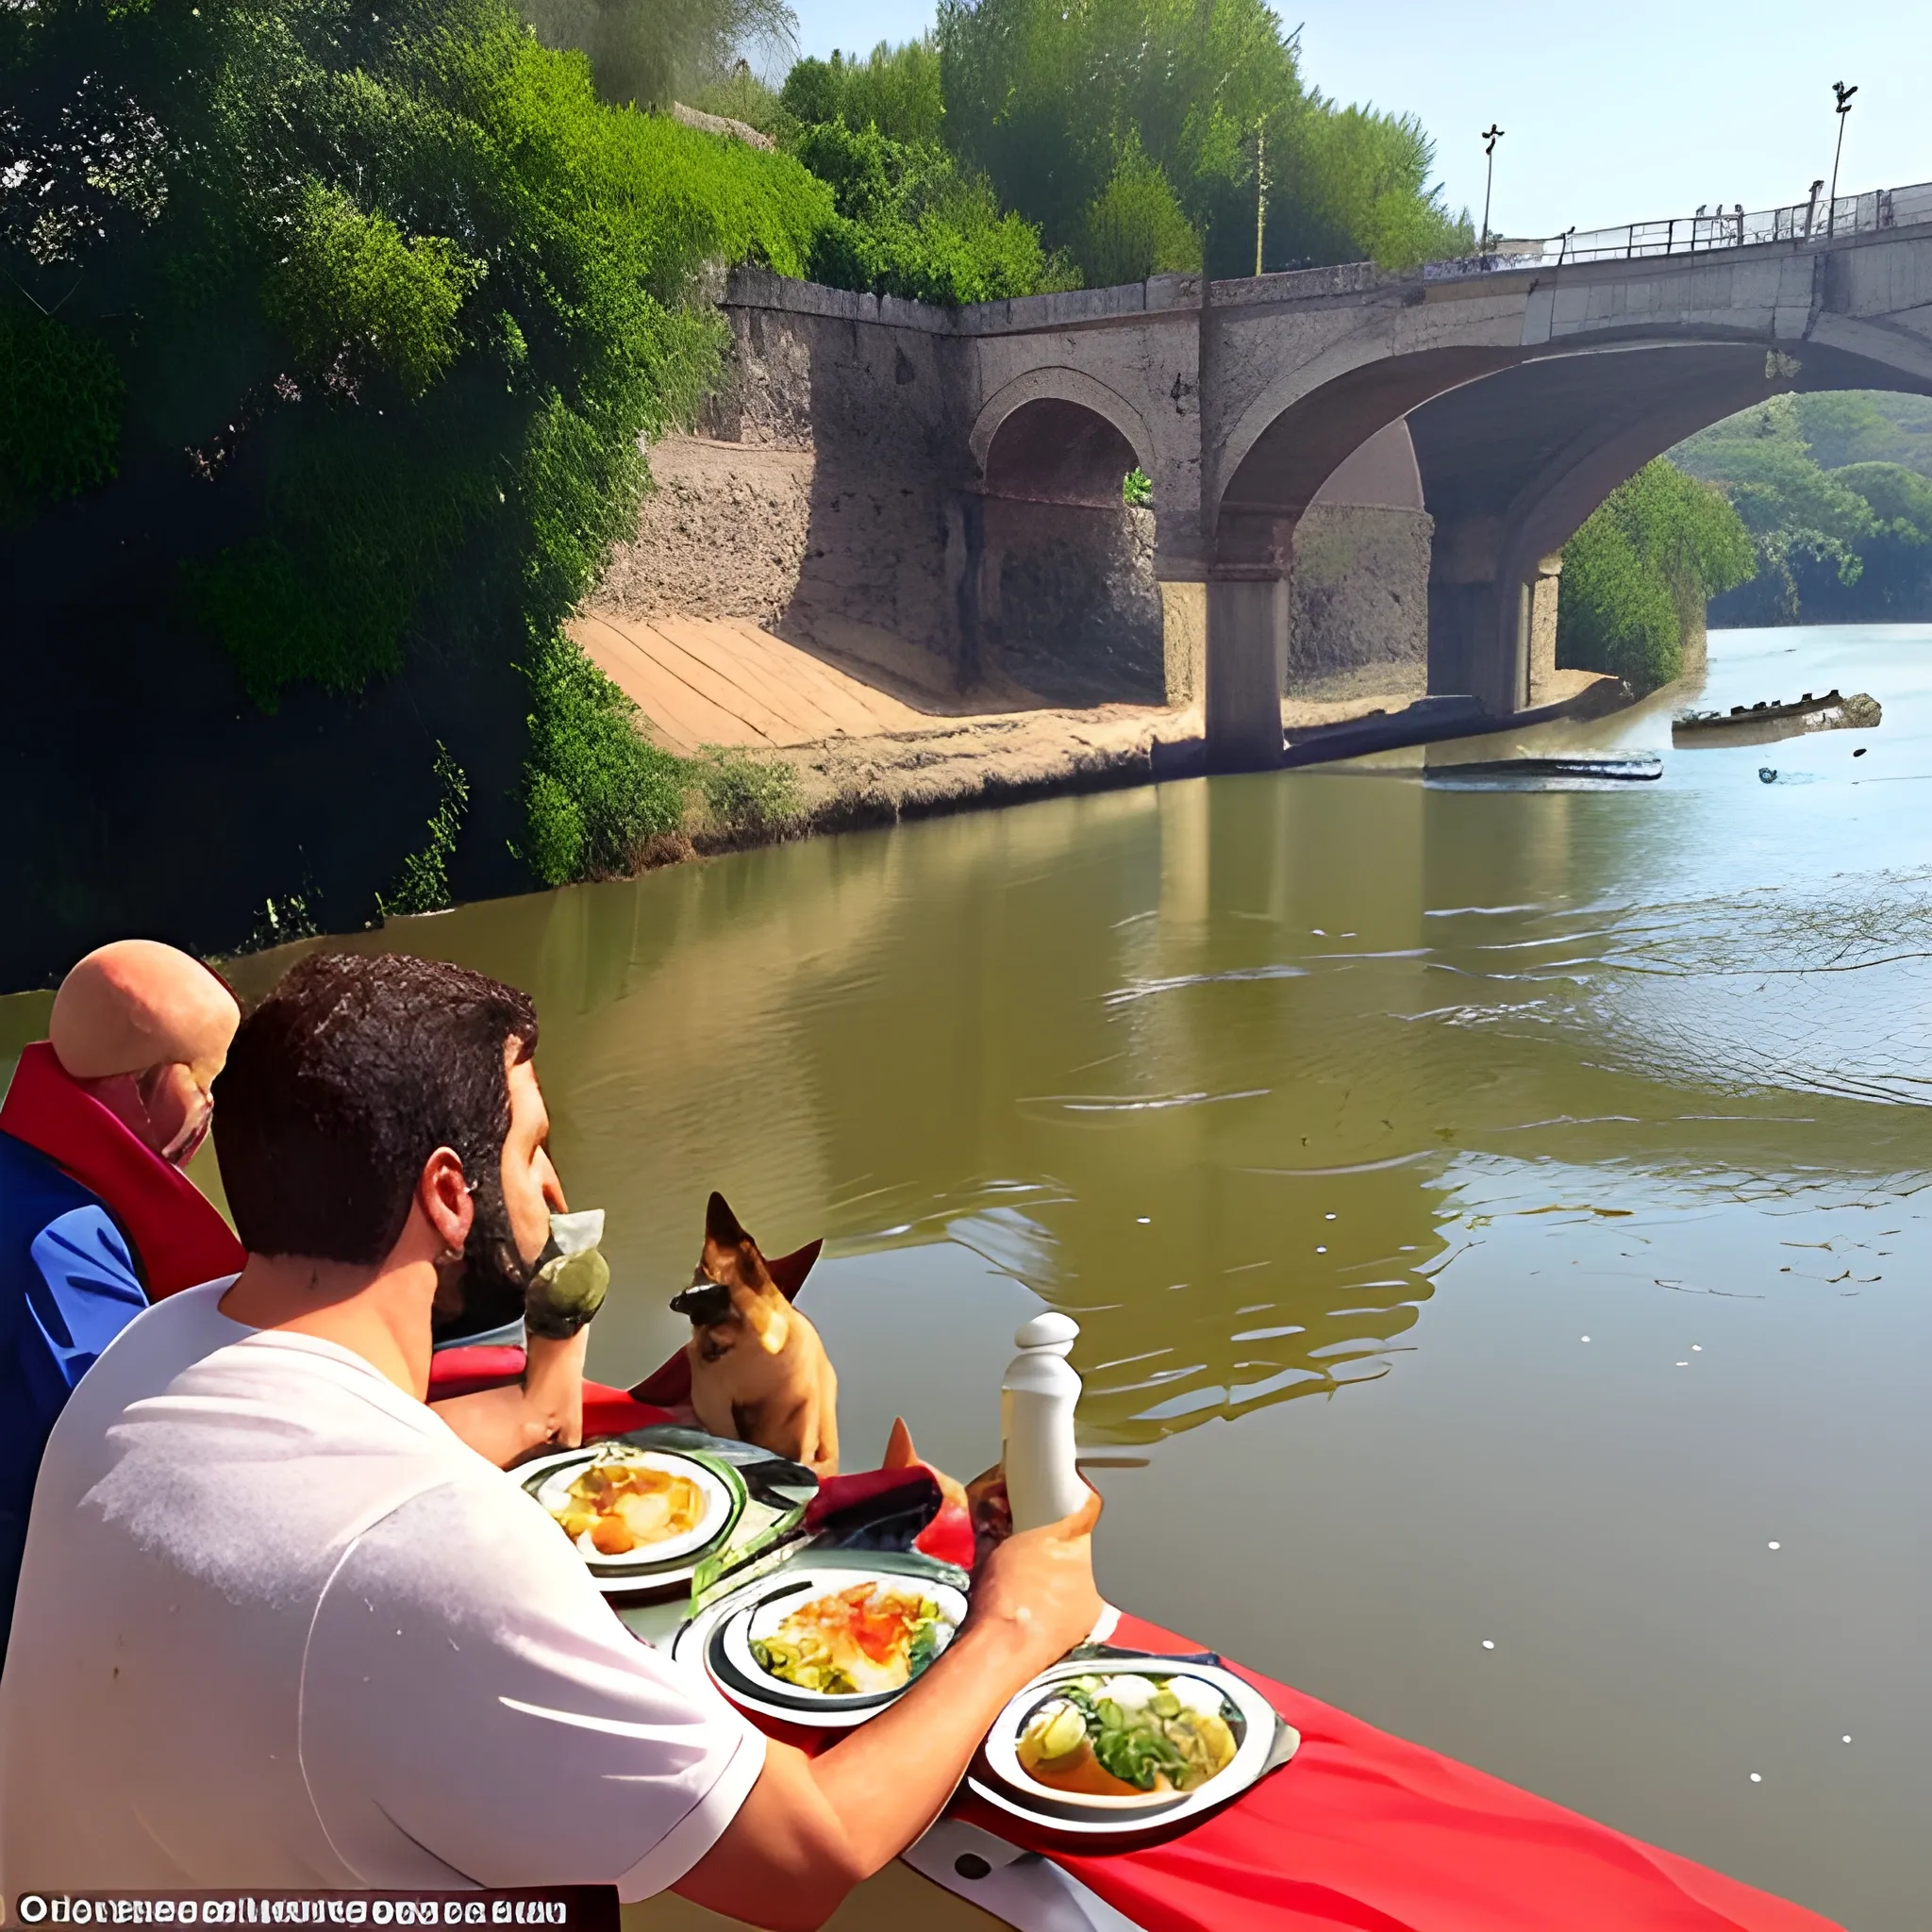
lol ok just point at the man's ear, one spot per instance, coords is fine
(443, 1196)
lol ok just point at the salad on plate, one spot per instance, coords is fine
(1127, 1735)
(868, 1638)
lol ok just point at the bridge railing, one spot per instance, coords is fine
(1819, 220)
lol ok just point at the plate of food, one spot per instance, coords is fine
(630, 1510)
(1128, 1744)
(838, 1639)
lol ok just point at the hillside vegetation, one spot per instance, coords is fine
(332, 340)
(1836, 491)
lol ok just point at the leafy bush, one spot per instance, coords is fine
(1137, 489)
(747, 797)
(410, 295)
(1043, 95)
(896, 90)
(1135, 226)
(1641, 572)
(908, 223)
(60, 401)
(422, 885)
(353, 283)
(1616, 612)
(596, 789)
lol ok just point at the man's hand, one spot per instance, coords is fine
(545, 1411)
(1041, 1584)
(813, 1827)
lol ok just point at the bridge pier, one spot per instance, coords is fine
(1543, 590)
(1247, 660)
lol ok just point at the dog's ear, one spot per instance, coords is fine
(900, 1454)
(788, 1272)
(722, 1225)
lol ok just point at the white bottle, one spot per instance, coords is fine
(1037, 1402)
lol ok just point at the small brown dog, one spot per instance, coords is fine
(758, 1371)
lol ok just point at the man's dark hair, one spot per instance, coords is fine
(342, 1083)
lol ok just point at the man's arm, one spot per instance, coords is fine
(812, 1827)
(545, 1409)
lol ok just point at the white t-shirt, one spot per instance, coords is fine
(277, 1625)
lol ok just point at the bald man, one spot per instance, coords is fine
(96, 1217)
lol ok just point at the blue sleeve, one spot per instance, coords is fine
(82, 1289)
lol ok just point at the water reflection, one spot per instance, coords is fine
(1285, 1085)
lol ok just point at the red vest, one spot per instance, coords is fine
(178, 1237)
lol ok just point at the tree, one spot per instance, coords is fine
(376, 308)
(896, 90)
(1845, 543)
(1640, 572)
(643, 53)
(1135, 226)
(1046, 97)
(909, 223)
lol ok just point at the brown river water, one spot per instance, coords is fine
(1496, 1215)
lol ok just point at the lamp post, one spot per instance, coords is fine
(1491, 135)
(1844, 95)
(1260, 188)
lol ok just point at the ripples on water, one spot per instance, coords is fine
(1284, 1085)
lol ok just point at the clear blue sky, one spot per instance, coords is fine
(1610, 113)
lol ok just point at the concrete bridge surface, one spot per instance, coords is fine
(1504, 403)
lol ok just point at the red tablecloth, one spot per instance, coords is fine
(1365, 1831)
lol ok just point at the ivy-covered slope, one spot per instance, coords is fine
(327, 338)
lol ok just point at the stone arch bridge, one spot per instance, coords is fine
(1503, 400)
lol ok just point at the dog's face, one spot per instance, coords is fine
(733, 1301)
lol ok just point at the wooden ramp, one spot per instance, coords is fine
(721, 680)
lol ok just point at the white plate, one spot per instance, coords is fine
(1008, 1788)
(553, 1492)
(792, 1591)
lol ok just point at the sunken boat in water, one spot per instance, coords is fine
(1766, 723)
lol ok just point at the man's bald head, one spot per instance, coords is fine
(136, 1005)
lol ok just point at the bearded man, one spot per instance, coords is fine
(285, 1629)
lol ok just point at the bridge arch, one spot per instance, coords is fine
(1516, 446)
(1064, 595)
(1024, 417)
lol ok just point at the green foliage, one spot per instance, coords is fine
(408, 296)
(1135, 226)
(1045, 96)
(1137, 489)
(1846, 544)
(909, 223)
(1848, 426)
(747, 797)
(1357, 188)
(281, 923)
(1641, 570)
(596, 789)
(1616, 613)
(352, 282)
(60, 402)
(1899, 500)
(896, 90)
(422, 885)
(645, 51)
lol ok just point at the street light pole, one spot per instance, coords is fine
(1261, 190)
(1844, 95)
(1491, 135)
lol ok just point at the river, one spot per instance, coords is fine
(1496, 1217)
